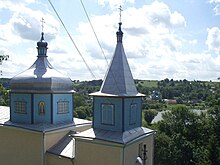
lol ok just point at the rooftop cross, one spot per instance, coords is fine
(42, 24)
(120, 10)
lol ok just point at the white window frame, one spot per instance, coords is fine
(107, 114)
(62, 107)
(21, 107)
(133, 114)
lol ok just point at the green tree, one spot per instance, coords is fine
(79, 100)
(4, 96)
(80, 112)
(149, 115)
(183, 138)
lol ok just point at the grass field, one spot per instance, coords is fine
(149, 83)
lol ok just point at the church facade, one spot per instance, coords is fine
(39, 127)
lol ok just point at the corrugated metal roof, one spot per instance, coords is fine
(4, 114)
(65, 147)
(41, 127)
(115, 136)
(118, 80)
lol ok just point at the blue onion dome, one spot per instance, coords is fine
(42, 42)
(41, 77)
(119, 33)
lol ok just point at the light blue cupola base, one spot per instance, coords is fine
(117, 106)
(48, 108)
(41, 94)
(117, 114)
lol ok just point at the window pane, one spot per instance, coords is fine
(133, 114)
(20, 107)
(108, 114)
(63, 107)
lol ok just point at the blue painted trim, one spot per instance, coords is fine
(113, 114)
(141, 111)
(62, 117)
(123, 115)
(93, 112)
(32, 108)
(10, 106)
(51, 110)
(72, 108)
(130, 115)
(16, 117)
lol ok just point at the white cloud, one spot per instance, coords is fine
(216, 9)
(160, 13)
(114, 4)
(142, 37)
(150, 40)
(23, 26)
(14, 5)
(190, 66)
(214, 1)
(213, 38)
(27, 24)
(177, 20)
(193, 42)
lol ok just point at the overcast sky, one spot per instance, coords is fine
(162, 39)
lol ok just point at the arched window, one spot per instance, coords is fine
(41, 108)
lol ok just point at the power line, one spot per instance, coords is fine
(116, 84)
(72, 40)
(94, 31)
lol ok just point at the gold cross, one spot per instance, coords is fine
(42, 24)
(120, 10)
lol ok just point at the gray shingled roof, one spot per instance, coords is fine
(115, 136)
(65, 147)
(40, 127)
(118, 80)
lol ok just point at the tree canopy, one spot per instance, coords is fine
(186, 138)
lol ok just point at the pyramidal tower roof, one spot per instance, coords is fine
(118, 80)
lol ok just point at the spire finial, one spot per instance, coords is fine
(120, 10)
(119, 32)
(42, 24)
(42, 45)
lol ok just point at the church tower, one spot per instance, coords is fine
(41, 94)
(37, 127)
(117, 135)
(117, 106)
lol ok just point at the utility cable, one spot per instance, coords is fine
(72, 40)
(93, 31)
(113, 76)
